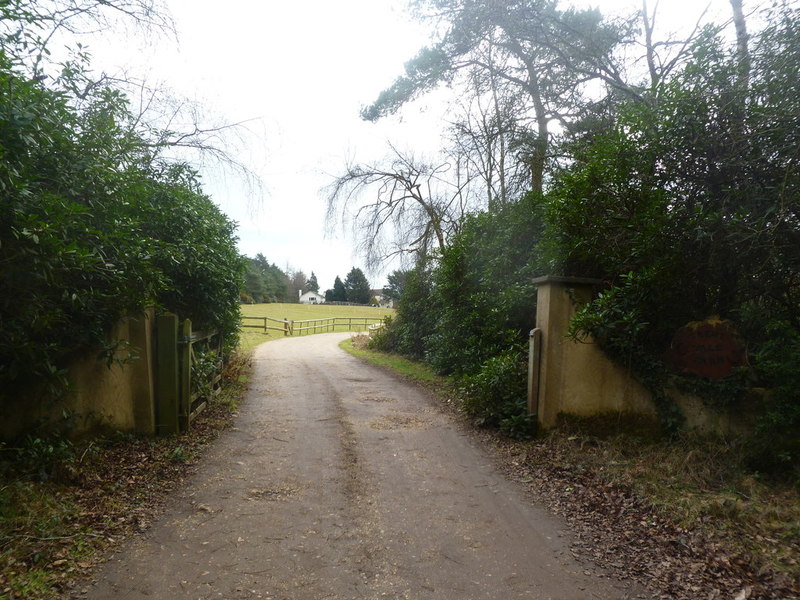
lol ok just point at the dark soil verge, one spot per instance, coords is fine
(625, 533)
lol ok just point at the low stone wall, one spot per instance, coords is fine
(577, 378)
(119, 396)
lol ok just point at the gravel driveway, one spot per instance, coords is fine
(340, 481)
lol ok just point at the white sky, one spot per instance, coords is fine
(301, 70)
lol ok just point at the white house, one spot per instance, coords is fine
(311, 298)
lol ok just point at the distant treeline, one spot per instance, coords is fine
(266, 282)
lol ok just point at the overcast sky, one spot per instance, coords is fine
(298, 71)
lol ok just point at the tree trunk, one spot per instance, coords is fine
(742, 49)
(648, 31)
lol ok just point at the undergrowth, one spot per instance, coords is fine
(701, 482)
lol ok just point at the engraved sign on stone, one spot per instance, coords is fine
(710, 348)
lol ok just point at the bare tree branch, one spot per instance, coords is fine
(401, 206)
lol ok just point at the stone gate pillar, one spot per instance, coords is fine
(577, 377)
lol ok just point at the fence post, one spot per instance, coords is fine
(285, 326)
(534, 365)
(167, 386)
(185, 367)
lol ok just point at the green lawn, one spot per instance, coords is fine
(249, 338)
(414, 370)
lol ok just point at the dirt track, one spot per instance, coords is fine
(341, 482)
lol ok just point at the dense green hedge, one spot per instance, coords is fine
(686, 203)
(688, 207)
(470, 312)
(94, 227)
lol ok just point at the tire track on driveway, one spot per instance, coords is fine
(341, 482)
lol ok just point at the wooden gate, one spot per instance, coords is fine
(180, 396)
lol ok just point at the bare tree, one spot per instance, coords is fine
(666, 55)
(488, 133)
(161, 124)
(296, 284)
(184, 129)
(400, 207)
(34, 24)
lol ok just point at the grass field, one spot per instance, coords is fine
(250, 338)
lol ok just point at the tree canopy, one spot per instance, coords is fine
(356, 287)
(312, 285)
(395, 285)
(338, 293)
(94, 224)
(264, 282)
(674, 180)
(533, 48)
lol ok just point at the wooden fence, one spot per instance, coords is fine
(311, 326)
(263, 323)
(180, 397)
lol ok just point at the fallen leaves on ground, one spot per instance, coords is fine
(619, 532)
(116, 489)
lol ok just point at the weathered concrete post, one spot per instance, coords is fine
(142, 380)
(576, 377)
(167, 375)
(534, 366)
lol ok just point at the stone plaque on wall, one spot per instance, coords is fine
(710, 348)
